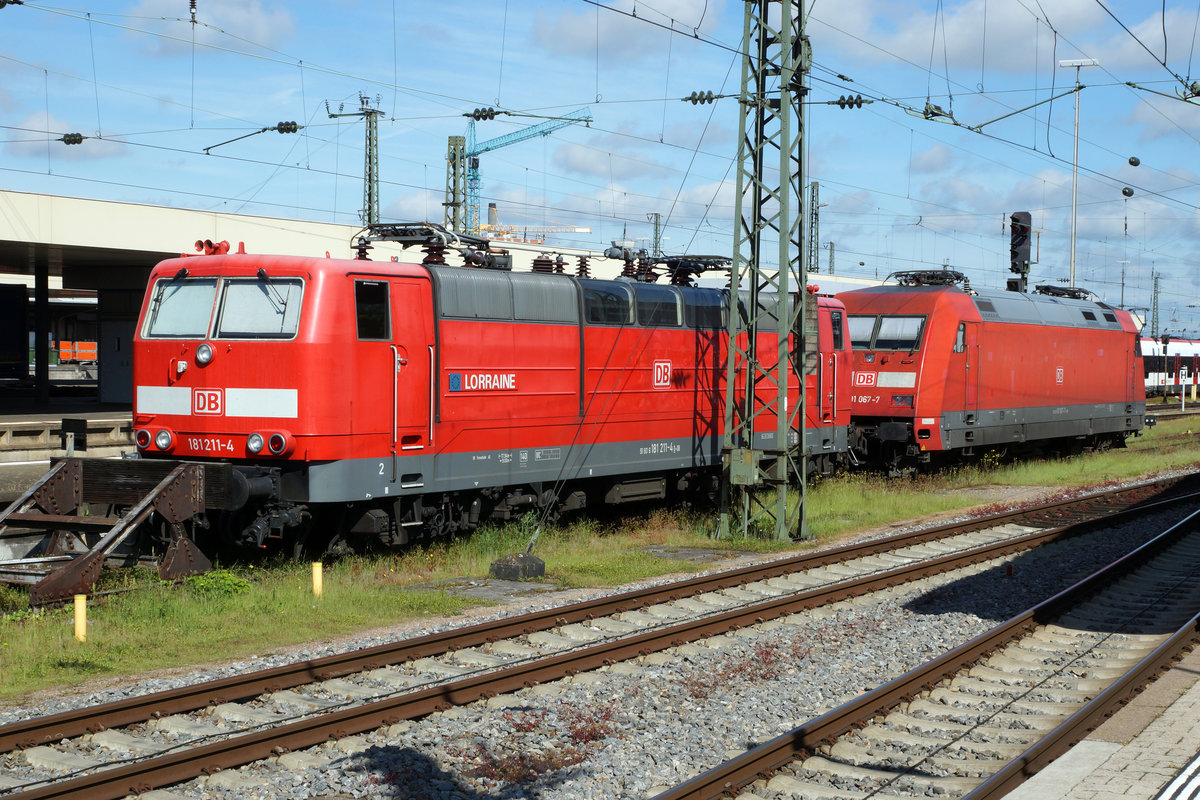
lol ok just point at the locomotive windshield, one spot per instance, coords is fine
(862, 330)
(181, 308)
(886, 332)
(243, 308)
(259, 309)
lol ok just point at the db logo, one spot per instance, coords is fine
(208, 401)
(864, 379)
(662, 373)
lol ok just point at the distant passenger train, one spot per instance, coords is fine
(1176, 371)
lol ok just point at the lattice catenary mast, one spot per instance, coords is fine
(764, 438)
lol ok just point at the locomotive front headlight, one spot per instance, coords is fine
(142, 437)
(254, 443)
(163, 440)
(204, 354)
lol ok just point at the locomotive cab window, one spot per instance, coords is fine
(886, 332)
(371, 310)
(835, 321)
(960, 338)
(899, 333)
(181, 308)
(862, 331)
(259, 308)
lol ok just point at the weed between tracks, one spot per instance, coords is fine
(245, 611)
(535, 741)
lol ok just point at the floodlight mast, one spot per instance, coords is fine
(1077, 63)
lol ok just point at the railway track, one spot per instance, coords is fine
(977, 721)
(368, 689)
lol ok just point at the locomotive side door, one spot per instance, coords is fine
(967, 343)
(831, 363)
(412, 368)
(394, 324)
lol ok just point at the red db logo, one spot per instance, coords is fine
(864, 379)
(208, 401)
(662, 373)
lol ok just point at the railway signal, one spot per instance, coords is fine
(1020, 230)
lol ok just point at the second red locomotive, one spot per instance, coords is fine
(940, 370)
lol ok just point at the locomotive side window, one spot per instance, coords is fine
(862, 331)
(835, 320)
(371, 310)
(181, 308)
(607, 304)
(541, 298)
(899, 333)
(704, 308)
(960, 338)
(261, 308)
(658, 306)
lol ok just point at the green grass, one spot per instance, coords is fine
(147, 625)
(161, 625)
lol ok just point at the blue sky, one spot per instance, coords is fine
(151, 91)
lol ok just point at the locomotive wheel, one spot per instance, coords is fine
(895, 462)
(550, 510)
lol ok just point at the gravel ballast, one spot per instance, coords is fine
(633, 729)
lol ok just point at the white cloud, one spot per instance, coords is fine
(1159, 118)
(29, 141)
(934, 160)
(235, 24)
(419, 205)
(613, 37)
(581, 160)
(964, 36)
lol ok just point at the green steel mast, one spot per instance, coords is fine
(764, 437)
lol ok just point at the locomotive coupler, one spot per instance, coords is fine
(272, 522)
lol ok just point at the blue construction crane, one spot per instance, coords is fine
(462, 163)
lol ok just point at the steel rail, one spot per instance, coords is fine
(240, 749)
(68, 724)
(768, 757)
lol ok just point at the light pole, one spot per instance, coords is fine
(1077, 63)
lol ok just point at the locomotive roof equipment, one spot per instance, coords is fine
(930, 277)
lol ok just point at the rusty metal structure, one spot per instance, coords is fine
(66, 504)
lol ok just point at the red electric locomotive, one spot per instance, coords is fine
(395, 401)
(940, 369)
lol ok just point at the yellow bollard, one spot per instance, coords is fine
(81, 617)
(318, 581)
